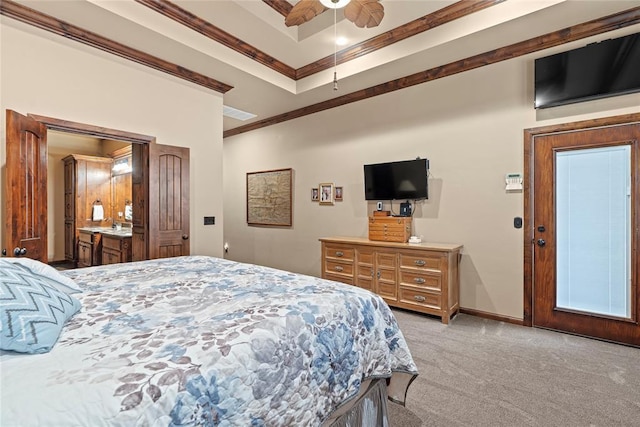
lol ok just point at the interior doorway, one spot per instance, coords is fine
(26, 211)
(582, 210)
(61, 145)
(159, 189)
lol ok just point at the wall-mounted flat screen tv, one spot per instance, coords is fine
(403, 180)
(598, 70)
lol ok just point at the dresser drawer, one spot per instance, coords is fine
(339, 252)
(85, 237)
(337, 278)
(388, 236)
(109, 242)
(420, 298)
(422, 280)
(420, 261)
(336, 267)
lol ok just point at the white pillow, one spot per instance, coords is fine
(64, 283)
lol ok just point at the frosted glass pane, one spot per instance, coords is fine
(593, 243)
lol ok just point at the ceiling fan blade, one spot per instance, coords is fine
(303, 11)
(364, 13)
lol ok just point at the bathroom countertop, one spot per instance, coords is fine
(124, 232)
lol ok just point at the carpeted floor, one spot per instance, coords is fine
(479, 372)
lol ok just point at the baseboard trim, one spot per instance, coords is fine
(492, 316)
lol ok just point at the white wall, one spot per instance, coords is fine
(45, 74)
(470, 126)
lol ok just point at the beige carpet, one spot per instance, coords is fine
(478, 372)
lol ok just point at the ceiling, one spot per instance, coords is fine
(274, 69)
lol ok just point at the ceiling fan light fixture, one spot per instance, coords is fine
(334, 4)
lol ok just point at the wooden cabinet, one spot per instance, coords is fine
(390, 228)
(421, 277)
(116, 249)
(89, 248)
(87, 180)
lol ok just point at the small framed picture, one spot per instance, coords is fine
(314, 195)
(326, 193)
(338, 194)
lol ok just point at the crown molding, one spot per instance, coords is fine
(535, 44)
(40, 20)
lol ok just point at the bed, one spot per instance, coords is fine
(200, 340)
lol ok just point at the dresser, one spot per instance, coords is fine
(422, 277)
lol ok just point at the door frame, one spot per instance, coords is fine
(107, 133)
(530, 136)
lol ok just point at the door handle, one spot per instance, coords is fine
(185, 237)
(18, 251)
(541, 242)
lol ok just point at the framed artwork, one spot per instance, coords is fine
(326, 193)
(314, 194)
(269, 197)
(339, 194)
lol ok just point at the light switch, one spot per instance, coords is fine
(513, 181)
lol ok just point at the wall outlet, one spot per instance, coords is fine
(209, 220)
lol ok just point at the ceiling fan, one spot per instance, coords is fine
(363, 13)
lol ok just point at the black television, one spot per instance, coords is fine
(403, 180)
(598, 70)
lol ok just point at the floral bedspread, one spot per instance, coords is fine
(205, 341)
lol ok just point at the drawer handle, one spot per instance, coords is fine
(419, 280)
(339, 253)
(419, 298)
(338, 268)
(420, 262)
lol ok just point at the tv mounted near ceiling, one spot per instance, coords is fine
(403, 180)
(598, 70)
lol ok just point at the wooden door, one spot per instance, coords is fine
(387, 275)
(25, 188)
(365, 269)
(556, 219)
(168, 201)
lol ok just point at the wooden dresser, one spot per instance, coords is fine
(422, 277)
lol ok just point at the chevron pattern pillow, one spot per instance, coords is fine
(64, 283)
(32, 310)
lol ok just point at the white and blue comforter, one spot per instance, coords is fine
(205, 341)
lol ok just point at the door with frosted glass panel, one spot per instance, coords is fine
(586, 233)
